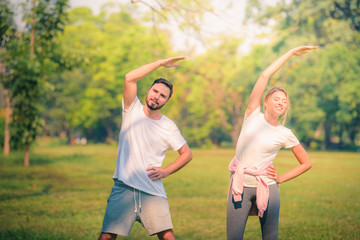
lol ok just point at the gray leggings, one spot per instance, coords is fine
(237, 214)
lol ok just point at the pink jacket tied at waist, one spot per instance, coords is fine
(262, 190)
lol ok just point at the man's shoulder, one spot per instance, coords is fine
(167, 122)
(136, 104)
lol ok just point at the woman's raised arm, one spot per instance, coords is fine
(262, 81)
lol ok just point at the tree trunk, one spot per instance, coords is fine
(341, 140)
(7, 123)
(27, 156)
(32, 34)
(235, 136)
(327, 129)
(32, 52)
(109, 134)
(352, 134)
(68, 136)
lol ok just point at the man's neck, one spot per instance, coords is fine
(152, 114)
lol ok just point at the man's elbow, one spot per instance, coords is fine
(190, 156)
(186, 153)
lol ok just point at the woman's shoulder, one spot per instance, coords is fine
(252, 113)
(285, 131)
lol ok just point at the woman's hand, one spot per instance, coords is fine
(272, 174)
(302, 50)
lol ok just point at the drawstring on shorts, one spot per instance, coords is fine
(136, 209)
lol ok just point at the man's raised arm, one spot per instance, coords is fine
(131, 78)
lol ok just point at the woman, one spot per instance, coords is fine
(253, 184)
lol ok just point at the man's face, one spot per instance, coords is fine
(157, 96)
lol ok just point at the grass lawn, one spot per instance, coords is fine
(63, 195)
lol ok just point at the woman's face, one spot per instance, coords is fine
(276, 104)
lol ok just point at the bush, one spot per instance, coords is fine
(15, 142)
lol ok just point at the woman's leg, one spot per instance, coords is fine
(237, 214)
(270, 220)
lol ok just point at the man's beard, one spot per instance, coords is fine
(152, 107)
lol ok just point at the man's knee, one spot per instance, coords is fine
(166, 235)
(107, 236)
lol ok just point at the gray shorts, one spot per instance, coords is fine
(127, 205)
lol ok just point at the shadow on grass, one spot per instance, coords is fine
(45, 190)
(17, 159)
(30, 235)
(39, 179)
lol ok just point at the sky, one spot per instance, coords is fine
(226, 21)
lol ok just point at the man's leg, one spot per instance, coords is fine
(155, 216)
(107, 236)
(166, 235)
(120, 213)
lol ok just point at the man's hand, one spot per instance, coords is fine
(184, 157)
(170, 62)
(156, 173)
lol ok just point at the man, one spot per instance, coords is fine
(138, 193)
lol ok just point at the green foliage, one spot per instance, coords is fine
(211, 91)
(187, 14)
(7, 23)
(212, 98)
(28, 58)
(62, 100)
(29, 72)
(81, 62)
(26, 91)
(347, 10)
(319, 83)
(106, 47)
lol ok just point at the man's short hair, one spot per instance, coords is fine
(166, 82)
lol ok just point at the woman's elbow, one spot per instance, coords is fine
(127, 77)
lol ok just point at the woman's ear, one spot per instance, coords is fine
(265, 104)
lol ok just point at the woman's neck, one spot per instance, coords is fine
(271, 119)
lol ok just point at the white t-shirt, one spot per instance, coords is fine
(143, 143)
(259, 142)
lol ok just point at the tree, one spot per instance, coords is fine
(338, 95)
(7, 33)
(35, 60)
(184, 14)
(62, 102)
(212, 96)
(348, 10)
(334, 26)
(105, 47)
(80, 49)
